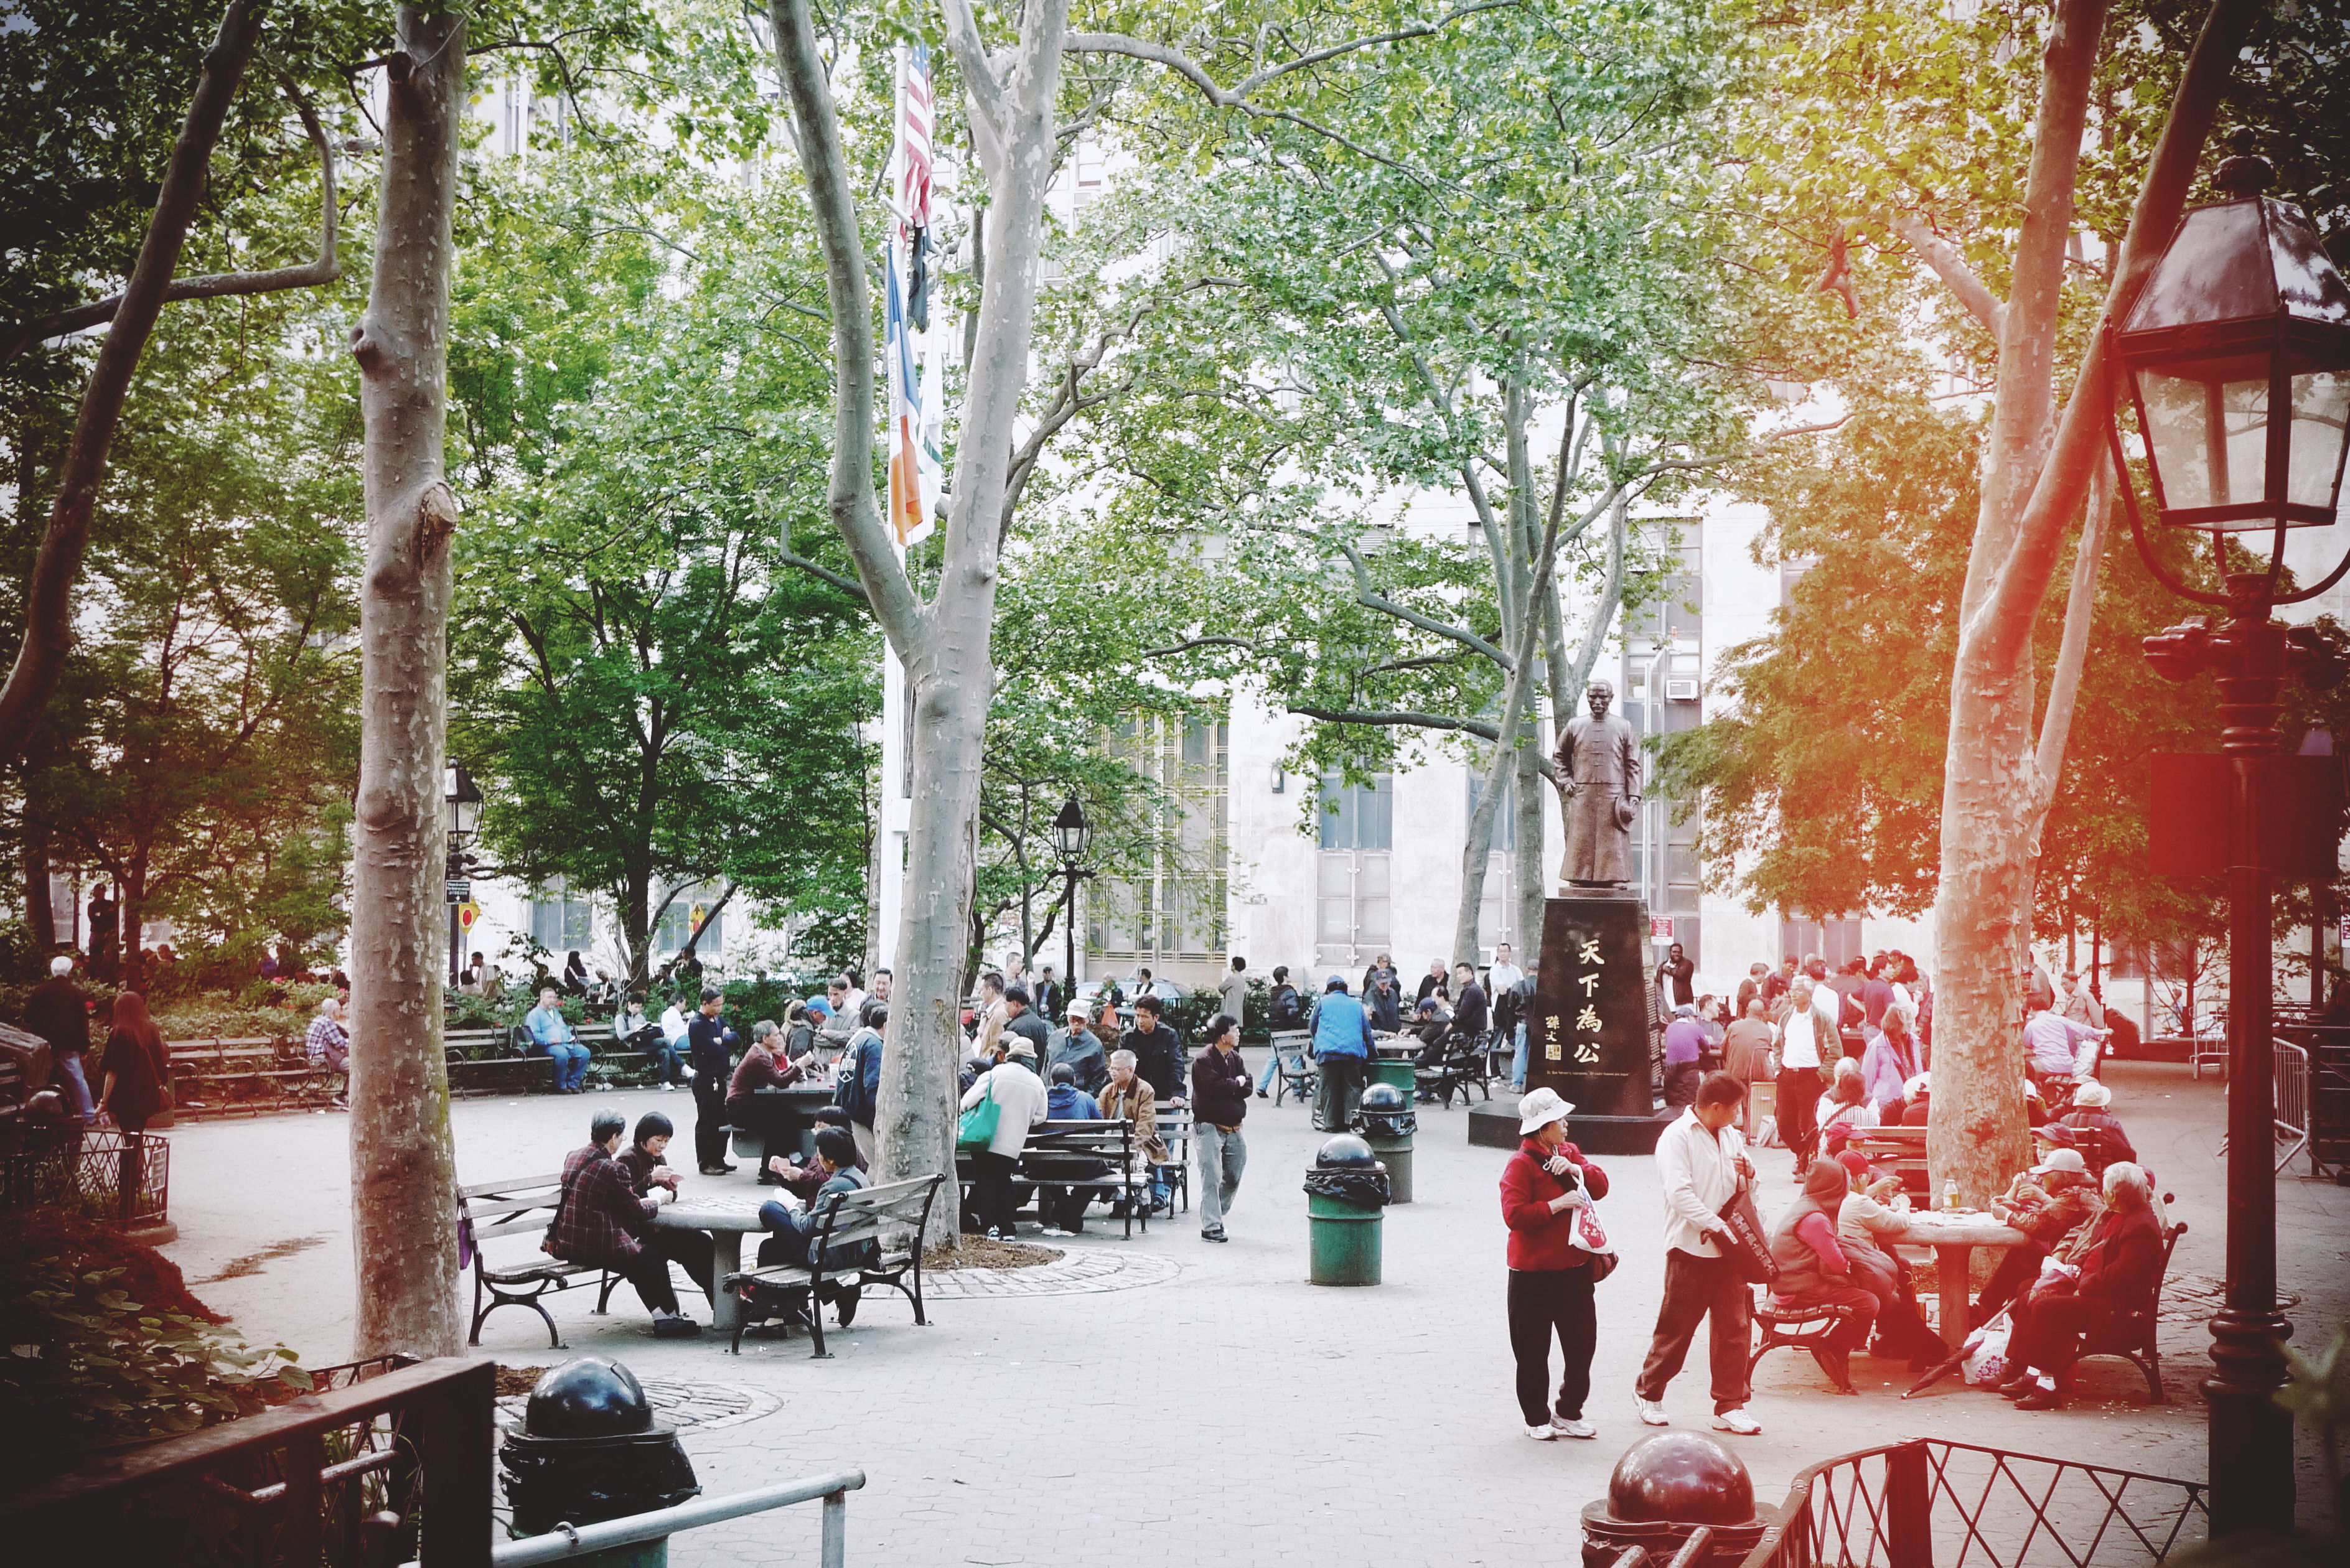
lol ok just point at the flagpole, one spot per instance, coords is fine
(896, 812)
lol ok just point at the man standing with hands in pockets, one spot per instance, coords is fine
(1701, 1160)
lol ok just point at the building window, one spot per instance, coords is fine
(560, 919)
(1173, 913)
(1835, 939)
(1352, 900)
(1360, 815)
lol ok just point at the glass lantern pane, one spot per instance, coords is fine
(2320, 422)
(2209, 438)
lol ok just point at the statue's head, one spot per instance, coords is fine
(1600, 694)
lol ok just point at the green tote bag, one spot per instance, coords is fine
(977, 1128)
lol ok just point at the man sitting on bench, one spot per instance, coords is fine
(794, 1225)
(804, 1182)
(2121, 1265)
(600, 1222)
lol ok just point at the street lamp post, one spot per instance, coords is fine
(463, 799)
(2237, 361)
(1072, 836)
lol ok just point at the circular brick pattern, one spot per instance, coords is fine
(1081, 1271)
(689, 1406)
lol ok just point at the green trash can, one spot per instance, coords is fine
(1388, 1125)
(1344, 1194)
(1397, 1071)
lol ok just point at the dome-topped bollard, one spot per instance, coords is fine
(591, 1450)
(1388, 1125)
(1344, 1194)
(1664, 1490)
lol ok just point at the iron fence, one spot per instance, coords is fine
(385, 1461)
(1925, 1503)
(101, 1173)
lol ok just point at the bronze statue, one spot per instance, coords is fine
(1599, 776)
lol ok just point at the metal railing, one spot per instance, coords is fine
(1692, 1551)
(368, 1468)
(566, 1541)
(2290, 1077)
(100, 1173)
(1927, 1504)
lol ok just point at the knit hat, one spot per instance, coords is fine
(1336, 983)
(1853, 1160)
(1020, 1047)
(2093, 1096)
(1539, 1109)
(1824, 1181)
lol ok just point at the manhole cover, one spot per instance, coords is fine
(702, 1406)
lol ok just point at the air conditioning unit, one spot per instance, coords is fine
(1681, 690)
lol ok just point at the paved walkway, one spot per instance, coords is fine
(1221, 1408)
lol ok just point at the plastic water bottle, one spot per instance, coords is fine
(1951, 1195)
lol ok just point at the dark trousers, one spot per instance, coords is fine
(709, 1121)
(991, 1189)
(1799, 1100)
(1340, 1093)
(1853, 1332)
(1543, 1303)
(691, 1251)
(1901, 1330)
(1709, 1291)
(2047, 1334)
(2014, 1275)
(1681, 1080)
(648, 1272)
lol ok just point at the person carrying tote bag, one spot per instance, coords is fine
(1557, 1253)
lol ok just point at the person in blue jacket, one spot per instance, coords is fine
(1341, 1048)
(858, 1091)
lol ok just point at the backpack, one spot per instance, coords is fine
(859, 1091)
(1283, 1010)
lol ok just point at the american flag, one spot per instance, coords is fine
(915, 123)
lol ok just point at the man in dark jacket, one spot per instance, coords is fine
(1158, 1054)
(858, 1091)
(58, 1012)
(2119, 1273)
(598, 1221)
(1220, 1096)
(1080, 1050)
(710, 1048)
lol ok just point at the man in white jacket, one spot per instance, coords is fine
(1701, 1160)
(1020, 1104)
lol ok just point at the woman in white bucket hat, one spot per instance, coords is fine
(1551, 1275)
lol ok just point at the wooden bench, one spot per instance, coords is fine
(1053, 1157)
(492, 1059)
(2133, 1337)
(894, 1218)
(1293, 1074)
(1467, 1064)
(1901, 1150)
(280, 1063)
(500, 1211)
(1175, 1132)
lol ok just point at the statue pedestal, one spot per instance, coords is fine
(1587, 1036)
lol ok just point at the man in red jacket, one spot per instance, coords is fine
(1542, 1186)
(2119, 1273)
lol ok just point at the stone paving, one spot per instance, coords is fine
(1171, 1401)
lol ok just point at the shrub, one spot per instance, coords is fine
(105, 1346)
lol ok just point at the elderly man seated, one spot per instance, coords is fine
(328, 1045)
(792, 1225)
(1128, 1099)
(804, 1182)
(753, 1105)
(2120, 1265)
(1079, 1049)
(550, 1031)
(2049, 1203)
(601, 1222)
(2093, 1128)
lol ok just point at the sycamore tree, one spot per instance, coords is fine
(2031, 165)
(654, 694)
(1482, 282)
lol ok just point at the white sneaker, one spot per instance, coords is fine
(1578, 1429)
(1737, 1421)
(1651, 1411)
(1544, 1433)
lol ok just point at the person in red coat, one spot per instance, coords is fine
(1550, 1278)
(2120, 1269)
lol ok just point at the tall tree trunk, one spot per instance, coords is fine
(2036, 472)
(40, 914)
(48, 608)
(404, 1171)
(945, 643)
(1533, 883)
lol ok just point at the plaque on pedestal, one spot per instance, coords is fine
(1588, 1034)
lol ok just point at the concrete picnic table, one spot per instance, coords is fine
(728, 1217)
(1954, 1238)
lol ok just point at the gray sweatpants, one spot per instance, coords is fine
(1222, 1157)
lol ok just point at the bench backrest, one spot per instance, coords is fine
(518, 1208)
(845, 1219)
(1085, 1137)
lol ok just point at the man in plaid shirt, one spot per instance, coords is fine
(599, 1222)
(327, 1043)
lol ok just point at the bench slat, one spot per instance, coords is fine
(507, 1189)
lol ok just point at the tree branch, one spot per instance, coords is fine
(825, 166)
(1405, 719)
(849, 586)
(2072, 656)
(1938, 254)
(325, 269)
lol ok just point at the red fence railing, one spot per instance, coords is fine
(1925, 1503)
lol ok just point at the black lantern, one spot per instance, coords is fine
(463, 798)
(2237, 358)
(1071, 833)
